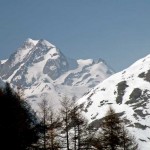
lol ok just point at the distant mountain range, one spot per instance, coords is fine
(128, 92)
(43, 72)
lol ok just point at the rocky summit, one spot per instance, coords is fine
(41, 71)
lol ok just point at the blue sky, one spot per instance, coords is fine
(117, 31)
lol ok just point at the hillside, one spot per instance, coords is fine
(128, 92)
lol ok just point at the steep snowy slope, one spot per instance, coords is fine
(43, 71)
(128, 92)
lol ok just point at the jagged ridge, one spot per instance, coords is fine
(43, 71)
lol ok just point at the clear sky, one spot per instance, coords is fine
(117, 31)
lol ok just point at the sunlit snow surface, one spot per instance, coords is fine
(97, 101)
(43, 72)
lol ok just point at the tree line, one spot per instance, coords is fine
(22, 129)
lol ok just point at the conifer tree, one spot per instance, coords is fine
(128, 141)
(111, 131)
(114, 136)
(18, 124)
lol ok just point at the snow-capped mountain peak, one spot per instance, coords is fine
(30, 41)
(45, 43)
(40, 69)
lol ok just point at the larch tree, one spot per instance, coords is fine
(44, 117)
(66, 107)
(114, 136)
(49, 125)
(54, 126)
(79, 125)
(111, 130)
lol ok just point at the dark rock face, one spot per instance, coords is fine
(136, 93)
(121, 90)
(56, 67)
(145, 76)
